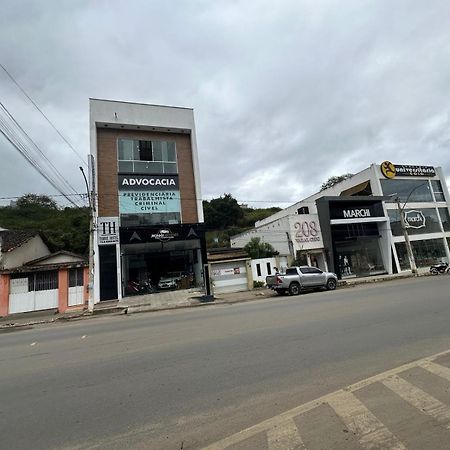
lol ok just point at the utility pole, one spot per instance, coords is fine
(412, 261)
(91, 244)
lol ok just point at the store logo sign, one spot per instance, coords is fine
(414, 219)
(164, 235)
(390, 170)
(356, 213)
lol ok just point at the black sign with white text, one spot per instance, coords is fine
(148, 182)
(343, 210)
(402, 170)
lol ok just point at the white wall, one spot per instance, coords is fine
(281, 262)
(33, 249)
(274, 234)
(310, 202)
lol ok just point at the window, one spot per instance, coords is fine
(425, 252)
(431, 221)
(445, 218)
(43, 281)
(269, 270)
(155, 157)
(76, 277)
(308, 270)
(291, 271)
(407, 190)
(258, 270)
(438, 191)
(303, 210)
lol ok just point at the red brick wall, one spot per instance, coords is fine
(107, 170)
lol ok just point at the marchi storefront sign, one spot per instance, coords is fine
(148, 182)
(356, 211)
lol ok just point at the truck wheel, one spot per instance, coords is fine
(294, 289)
(331, 284)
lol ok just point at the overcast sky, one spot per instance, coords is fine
(285, 93)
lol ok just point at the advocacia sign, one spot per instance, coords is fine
(148, 182)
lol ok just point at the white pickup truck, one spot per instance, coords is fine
(301, 278)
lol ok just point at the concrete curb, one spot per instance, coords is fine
(193, 302)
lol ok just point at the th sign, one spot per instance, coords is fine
(108, 230)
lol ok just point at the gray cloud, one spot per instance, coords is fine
(285, 93)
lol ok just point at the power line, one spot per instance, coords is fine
(55, 170)
(40, 110)
(12, 136)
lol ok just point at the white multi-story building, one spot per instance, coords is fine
(354, 227)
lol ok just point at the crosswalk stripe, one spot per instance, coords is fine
(285, 436)
(359, 420)
(419, 399)
(436, 369)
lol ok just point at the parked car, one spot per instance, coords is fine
(301, 278)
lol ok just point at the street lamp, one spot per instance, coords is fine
(401, 210)
(91, 244)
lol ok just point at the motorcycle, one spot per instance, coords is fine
(140, 288)
(440, 268)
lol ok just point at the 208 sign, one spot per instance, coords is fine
(307, 231)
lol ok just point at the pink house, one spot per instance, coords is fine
(34, 279)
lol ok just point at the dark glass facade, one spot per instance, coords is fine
(426, 253)
(407, 190)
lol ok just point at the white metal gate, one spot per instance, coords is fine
(33, 292)
(229, 276)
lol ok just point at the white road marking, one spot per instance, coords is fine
(266, 425)
(436, 369)
(419, 399)
(370, 431)
(285, 436)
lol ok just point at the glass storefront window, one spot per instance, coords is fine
(156, 267)
(445, 218)
(407, 190)
(438, 191)
(360, 258)
(431, 222)
(425, 252)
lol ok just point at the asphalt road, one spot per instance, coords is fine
(188, 378)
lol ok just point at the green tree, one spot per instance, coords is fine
(43, 201)
(257, 249)
(335, 180)
(222, 212)
(64, 229)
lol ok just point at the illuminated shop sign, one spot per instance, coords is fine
(148, 182)
(390, 170)
(148, 202)
(356, 211)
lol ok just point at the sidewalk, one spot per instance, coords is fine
(169, 300)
